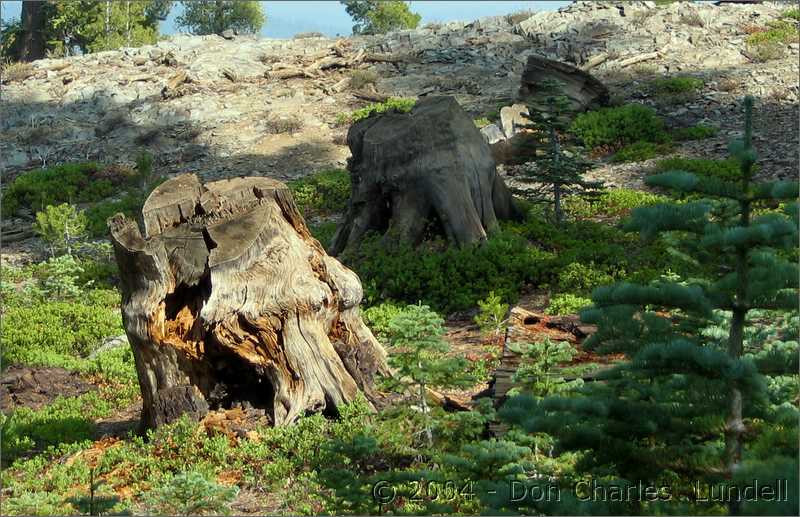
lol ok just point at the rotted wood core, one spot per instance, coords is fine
(226, 291)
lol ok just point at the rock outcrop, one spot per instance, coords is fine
(207, 103)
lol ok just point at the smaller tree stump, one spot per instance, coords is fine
(429, 165)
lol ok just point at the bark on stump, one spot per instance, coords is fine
(227, 292)
(431, 164)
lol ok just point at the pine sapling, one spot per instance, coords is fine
(660, 412)
(419, 358)
(559, 172)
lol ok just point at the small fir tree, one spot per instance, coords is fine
(419, 358)
(191, 493)
(679, 411)
(492, 315)
(537, 373)
(61, 227)
(559, 172)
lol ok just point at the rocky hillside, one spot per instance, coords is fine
(255, 106)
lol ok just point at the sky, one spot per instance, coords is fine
(287, 18)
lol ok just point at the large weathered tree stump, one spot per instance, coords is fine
(429, 165)
(228, 297)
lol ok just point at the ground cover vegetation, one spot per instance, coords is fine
(692, 285)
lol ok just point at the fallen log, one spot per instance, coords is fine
(370, 96)
(638, 59)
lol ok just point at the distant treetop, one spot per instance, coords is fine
(217, 16)
(377, 17)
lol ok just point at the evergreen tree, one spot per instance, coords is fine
(559, 172)
(62, 27)
(420, 361)
(536, 374)
(379, 16)
(217, 16)
(678, 411)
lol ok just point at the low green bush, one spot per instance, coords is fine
(325, 192)
(71, 419)
(611, 250)
(585, 277)
(677, 85)
(793, 14)
(68, 183)
(725, 169)
(39, 332)
(778, 31)
(612, 203)
(448, 278)
(639, 151)
(402, 105)
(698, 132)
(66, 420)
(566, 303)
(129, 204)
(619, 126)
(379, 316)
(191, 493)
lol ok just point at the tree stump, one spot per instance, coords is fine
(429, 165)
(582, 89)
(227, 292)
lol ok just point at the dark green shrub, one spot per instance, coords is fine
(677, 85)
(323, 232)
(323, 192)
(619, 126)
(35, 332)
(698, 132)
(611, 250)
(402, 105)
(612, 203)
(639, 151)
(130, 204)
(449, 278)
(69, 183)
(728, 168)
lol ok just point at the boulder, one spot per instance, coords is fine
(512, 118)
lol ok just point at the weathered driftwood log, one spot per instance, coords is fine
(227, 292)
(431, 164)
(581, 88)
